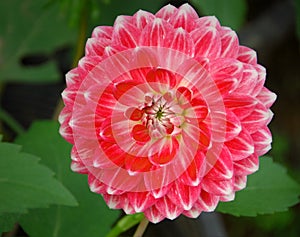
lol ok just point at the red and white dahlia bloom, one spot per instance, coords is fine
(167, 113)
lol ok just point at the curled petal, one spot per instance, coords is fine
(141, 201)
(168, 208)
(95, 47)
(142, 18)
(262, 141)
(240, 182)
(161, 80)
(140, 133)
(217, 187)
(154, 215)
(207, 201)
(205, 21)
(166, 12)
(266, 97)
(103, 32)
(246, 166)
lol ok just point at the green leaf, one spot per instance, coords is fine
(24, 183)
(109, 12)
(231, 13)
(91, 218)
(269, 190)
(29, 28)
(7, 221)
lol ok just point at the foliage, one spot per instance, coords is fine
(269, 190)
(92, 217)
(230, 12)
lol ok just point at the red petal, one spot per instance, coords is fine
(140, 201)
(161, 80)
(103, 32)
(262, 141)
(217, 187)
(207, 42)
(184, 17)
(180, 40)
(163, 151)
(167, 208)
(240, 182)
(208, 21)
(266, 97)
(198, 109)
(183, 94)
(153, 214)
(137, 164)
(95, 47)
(230, 43)
(222, 166)
(241, 146)
(154, 34)
(114, 153)
(248, 80)
(121, 88)
(106, 132)
(183, 195)
(223, 68)
(247, 55)
(207, 202)
(125, 33)
(246, 166)
(140, 133)
(259, 118)
(142, 18)
(240, 105)
(166, 12)
(134, 114)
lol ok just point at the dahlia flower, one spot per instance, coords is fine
(167, 113)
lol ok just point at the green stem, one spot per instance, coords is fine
(11, 122)
(79, 50)
(141, 228)
(125, 224)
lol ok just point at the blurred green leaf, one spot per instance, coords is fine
(91, 218)
(29, 28)
(231, 13)
(109, 12)
(24, 183)
(268, 190)
(7, 221)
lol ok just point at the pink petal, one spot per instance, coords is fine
(95, 185)
(183, 195)
(241, 146)
(266, 97)
(198, 109)
(167, 208)
(259, 118)
(246, 166)
(154, 34)
(154, 215)
(223, 68)
(125, 33)
(134, 114)
(79, 167)
(106, 132)
(248, 80)
(134, 164)
(161, 80)
(163, 151)
(217, 187)
(180, 40)
(184, 17)
(260, 79)
(229, 42)
(241, 105)
(103, 32)
(195, 171)
(226, 85)
(207, 202)
(222, 165)
(183, 95)
(207, 42)
(72, 78)
(106, 103)
(262, 140)
(114, 201)
(140, 201)
(240, 182)
(86, 64)
(142, 18)
(208, 21)
(166, 12)
(247, 55)
(140, 133)
(95, 47)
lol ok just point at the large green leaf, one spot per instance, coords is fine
(24, 183)
(7, 221)
(231, 13)
(269, 190)
(91, 218)
(28, 27)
